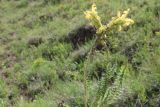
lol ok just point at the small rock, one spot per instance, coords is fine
(35, 41)
(81, 35)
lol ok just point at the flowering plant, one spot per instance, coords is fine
(116, 24)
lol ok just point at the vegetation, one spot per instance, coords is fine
(50, 56)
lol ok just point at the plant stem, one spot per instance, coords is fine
(85, 88)
(85, 76)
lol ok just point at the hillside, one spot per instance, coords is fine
(45, 58)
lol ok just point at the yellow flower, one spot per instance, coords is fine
(116, 24)
(101, 30)
(125, 13)
(93, 17)
(120, 20)
(87, 15)
(128, 22)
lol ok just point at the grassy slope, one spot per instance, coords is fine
(26, 76)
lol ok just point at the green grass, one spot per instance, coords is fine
(52, 73)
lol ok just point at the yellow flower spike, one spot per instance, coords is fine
(93, 17)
